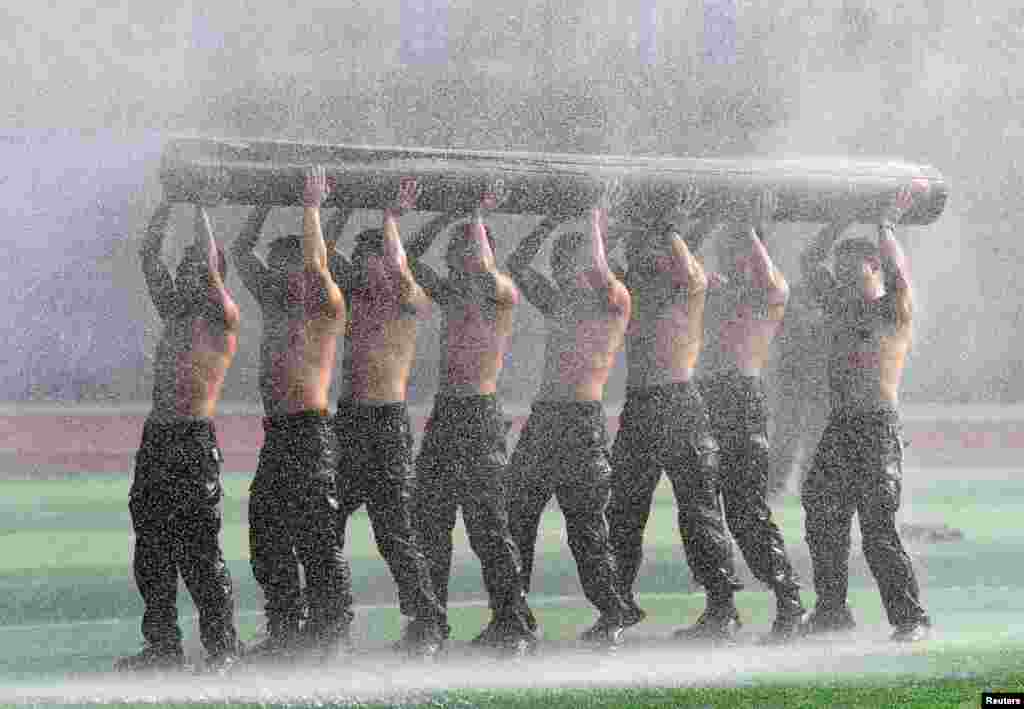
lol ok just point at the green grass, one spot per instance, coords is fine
(69, 604)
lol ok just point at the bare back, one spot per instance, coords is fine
(298, 348)
(475, 333)
(582, 341)
(666, 332)
(868, 350)
(745, 329)
(381, 339)
(192, 360)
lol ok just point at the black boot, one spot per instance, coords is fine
(153, 658)
(826, 620)
(634, 614)
(283, 643)
(912, 631)
(422, 640)
(719, 623)
(790, 617)
(223, 661)
(605, 635)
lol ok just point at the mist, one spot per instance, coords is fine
(93, 91)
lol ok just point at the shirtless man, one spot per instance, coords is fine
(463, 455)
(747, 310)
(176, 494)
(563, 447)
(375, 466)
(664, 425)
(293, 499)
(858, 464)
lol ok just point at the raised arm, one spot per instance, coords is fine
(411, 296)
(222, 305)
(433, 284)
(539, 291)
(325, 295)
(894, 260)
(478, 256)
(339, 266)
(251, 269)
(598, 273)
(767, 278)
(158, 277)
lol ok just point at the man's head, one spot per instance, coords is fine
(285, 254)
(648, 253)
(733, 254)
(192, 276)
(288, 271)
(369, 242)
(460, 249)
(858, 268)
(567, 261)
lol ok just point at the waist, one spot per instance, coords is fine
(662, 391)
(560, 407)
(293, 420)
(446, 402)
(178, 423)
(163, 429)
(371, 409)
(881, 413)
(734, 382)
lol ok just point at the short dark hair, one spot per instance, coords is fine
(284, 247)
(372, 239)
(194, 252)
(564, 248)
(858, 246)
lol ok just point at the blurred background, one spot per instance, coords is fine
(94, 89)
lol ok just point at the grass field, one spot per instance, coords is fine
(68, 607)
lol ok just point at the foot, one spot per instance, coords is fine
(421, 640)
(634, 613)
(786, 628)
(153, 659)
(517, 647)
(822, 622)
(488, 636)
(275, 649)
(222, 663)
(912, 632)
(604, 635)
(718, 624)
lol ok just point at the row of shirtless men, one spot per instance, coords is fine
(708, 437)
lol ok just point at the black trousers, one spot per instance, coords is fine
(375, 468)
(462, 463)
(666, 429)
(175, 502)
(293, 519)
(562, 451)
(739, 421)
(858, 467)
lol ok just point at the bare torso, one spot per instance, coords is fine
(868, 350)
(192, 360)
(474, 340)
(297, 355)
(743, 334)
(580, 349)
(381, 345)
(665, 334)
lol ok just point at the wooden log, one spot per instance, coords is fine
(808, 188)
